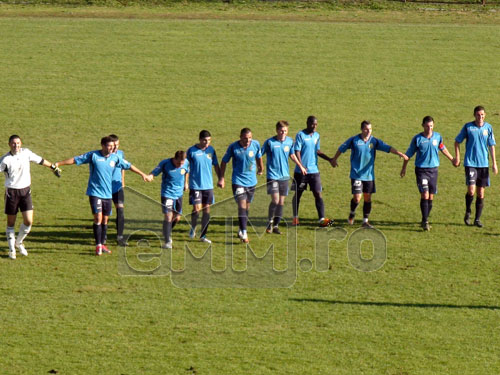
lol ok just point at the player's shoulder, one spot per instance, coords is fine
(5, 157)
(192, 149)
(255, 143)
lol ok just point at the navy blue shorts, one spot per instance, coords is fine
(100, 205)
(171, 205)
(245, 193)
(18, 200)
(201, 197)
(300, 182)
(427, 179)
(359, 187)
(477, 176)
(277, 187)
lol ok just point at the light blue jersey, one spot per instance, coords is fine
(101, 172)
(172, 179)
(244, 162)
(363, 156)
(277, 167)
(308, 146)
(427, 150)
(200, 164)
(117, 175)
(478, 139)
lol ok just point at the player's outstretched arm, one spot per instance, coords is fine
(400, 154)
(493, 159)
(449, 156)
(457, 154)
(69, 161)
(403, 168)
(136, 170)
(333, 162)
(324, 156)
(53, 167)
(221, 182)
(186, 182)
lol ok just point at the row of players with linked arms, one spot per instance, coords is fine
(192, 169)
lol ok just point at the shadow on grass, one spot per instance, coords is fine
(397, 304)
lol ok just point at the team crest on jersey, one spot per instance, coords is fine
(286, 148)
(183, 171)
(251, 154)
(485, 132)
(435, 142)
(209, 156)
(112, 164)
(371, 145)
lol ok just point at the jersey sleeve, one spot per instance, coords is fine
(186, 166)
(297, 146)
(264, 149)
(84, 158)
(491, 137)
(228, 155)
(34, 158)
(441, 145)
(123, 163)
(382, 146)
(462, 135)
(318, 144)
(158, 169)
(346, 145)
(258, 153)
(215, 161)
(412, 148)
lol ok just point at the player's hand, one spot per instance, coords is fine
(56, 170)
(334, 163)
(303, 170)
(148, 178)
(403, 172)
(405, 157)
(456, 162)
(221, 183)
(495, 169)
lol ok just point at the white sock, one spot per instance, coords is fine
(11, 238)
(23, 232)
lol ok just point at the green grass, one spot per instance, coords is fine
(432, 308)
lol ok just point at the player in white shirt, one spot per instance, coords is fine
(16, 166)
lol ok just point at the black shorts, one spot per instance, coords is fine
(277, 187)
(119, 197)
(245, 193)
(201, 197)
(427, 179)
(18, 200)
(477, 176)
(99, 205)
(171, 205)
(300, 182)
(358, 186)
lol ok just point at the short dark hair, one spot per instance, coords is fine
(13, 136)
(204, 134)
(310, 120)
(281, 124)
(180, 155)
(113, 137)
(106, 140)
(365, 123)
(478, 108)
(245, 131)
(427, 119)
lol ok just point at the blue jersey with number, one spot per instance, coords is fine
(278, 152)
(478, 139)
(117, 175)
(172, 178)
(200, 165)
(101, 172)
(244, 162)
(308, 146)
(363, 156)
(427, 150)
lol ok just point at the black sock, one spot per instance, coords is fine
(205, 220)
(424, 207)
(320, 207)
(354, 205)
(367, 208)
(242, 218)
(468, 203)
(194, 219)
(429, 203)
(271, 212)
(278, 214)
(174, 223)
(97, 233)
(479, 207)
(104, 232)
(167, 230)
(296, 202)
(120, 221)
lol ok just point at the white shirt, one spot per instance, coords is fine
(17, 168)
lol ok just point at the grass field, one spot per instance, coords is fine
(433, 307)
